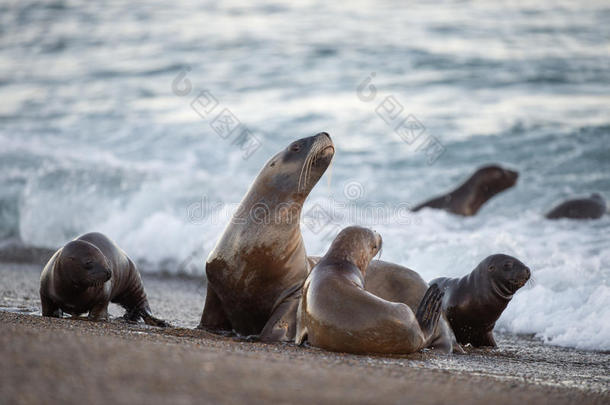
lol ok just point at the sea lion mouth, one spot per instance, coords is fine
(514, 285)
(96, 283)
(319, 158)
(329, 150)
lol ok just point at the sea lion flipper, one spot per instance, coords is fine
(50, 308)
(149, 319)
(133, 315)
(429, 310)
(485, 339)
(213, 317)
(99, 312)
(281, 327)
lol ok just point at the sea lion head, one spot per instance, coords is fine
(494, 179)
(356, 245)
(82, 265)
(506, 273)
(290, 175)
(598, 197)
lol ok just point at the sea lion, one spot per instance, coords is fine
(468, 198)
(258, 267)
(397, 283)
(593, 207)
(473, 303)
(336, 313)
(86, 275)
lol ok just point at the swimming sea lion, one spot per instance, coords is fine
(467, 199)
(257, 269)
(473, 303)
(86, 275)
(336, 313)
(593, 207)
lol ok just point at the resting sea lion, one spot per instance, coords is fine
(257, 269)
(336, 313)
(86, 275)
(467, 199)
(473, 303)
(593, 207)
(396, 283)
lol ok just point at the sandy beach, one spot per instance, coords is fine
(67, 361)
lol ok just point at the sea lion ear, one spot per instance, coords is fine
(491, 268)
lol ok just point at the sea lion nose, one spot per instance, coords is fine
(528, 273)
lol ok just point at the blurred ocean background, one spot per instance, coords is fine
(94, 135)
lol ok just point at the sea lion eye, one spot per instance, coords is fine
(88, 264)
(491, 268)
(272, 164)
(295, 148)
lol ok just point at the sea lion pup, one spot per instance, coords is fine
(336, 313)
(86, 275)
(593, 207)
(473, 303)
(258, 267)
(468, 198)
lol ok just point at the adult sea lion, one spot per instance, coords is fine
(473, 303)
(257, 269)
(468, 198)
(86, 275)
(593, 207)
(336, 313)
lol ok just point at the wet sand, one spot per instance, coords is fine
(72, 361)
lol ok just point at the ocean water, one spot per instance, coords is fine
(98, 131)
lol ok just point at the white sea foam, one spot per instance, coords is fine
(93, 138)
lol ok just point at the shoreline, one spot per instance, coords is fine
(520, 369)
(69, 361)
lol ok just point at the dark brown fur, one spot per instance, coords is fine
(467, 199)
(86, 275)
(473, 303)
(593, 207)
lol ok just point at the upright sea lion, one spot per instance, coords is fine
(257, 269)
(336, 313)
(86, 275)
(468, 198)
(593, 207)
(473, 303)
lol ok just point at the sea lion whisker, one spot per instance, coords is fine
(301, 185)
(531, 283)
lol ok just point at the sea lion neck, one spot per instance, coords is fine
(343, 267)
(481, 280)
(354, 258)
(269, 209)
